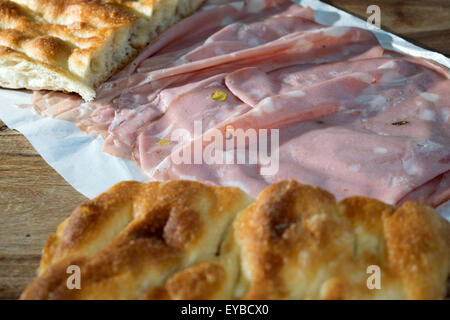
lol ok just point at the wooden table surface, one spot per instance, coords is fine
(34, 199)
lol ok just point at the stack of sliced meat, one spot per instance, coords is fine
(352, 118)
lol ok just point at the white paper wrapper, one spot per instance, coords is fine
(329, 15)
(78, 157)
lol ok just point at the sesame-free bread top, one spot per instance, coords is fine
(187, 240)
(75, 45)
(134, 236)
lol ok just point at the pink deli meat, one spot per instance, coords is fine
(351, 118)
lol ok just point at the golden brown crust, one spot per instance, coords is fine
(418, 249)
(186, 240)
(92, 225)
(78, 43)
(288, 229)
(167, 226)
(293, 234)
(200, 282)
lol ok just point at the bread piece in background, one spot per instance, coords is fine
(75, 45)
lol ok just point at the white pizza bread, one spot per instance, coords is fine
(75, 45)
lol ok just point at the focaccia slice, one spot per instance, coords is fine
(75, 45)
(130, 238)
(297, 242)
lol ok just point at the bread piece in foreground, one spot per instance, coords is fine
(132, 237)
(296, 242)
(75, 45)
(186, 240)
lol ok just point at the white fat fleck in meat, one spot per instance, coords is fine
(219, 115)
(267, 105)
(213, 84)
(293, 151)
(337, 74)
(427, 114)
(387, 78)
(445, 114)
(219, 51)
(322, 60)
(253, 42)
(257, 112)
(165, 132)
(208, 7)
(304, 45)
(220, 171)
(379, 150)
(354, 167)
(410, 166)
(82, 112)
(427, 146)
(372, 102)
(87, 106)
(379, 102)
(291, 79)
(336, 31)
(256, 93)
(395, 181)
(387, 65)
(238, 5)
(208, 41)
(243, 27)
(397, 100)
(107, 85)
(116, 122)
(262, 29)
(226, 21)
(429, 96)
(255, 6)
(365, 77)
(185, 177)
(343, 108)
(356, 36)
(296, 94)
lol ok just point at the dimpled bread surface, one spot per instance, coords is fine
(187, 240)
(75, 45)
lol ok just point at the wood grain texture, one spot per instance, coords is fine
(34, 199)
(424, 23)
